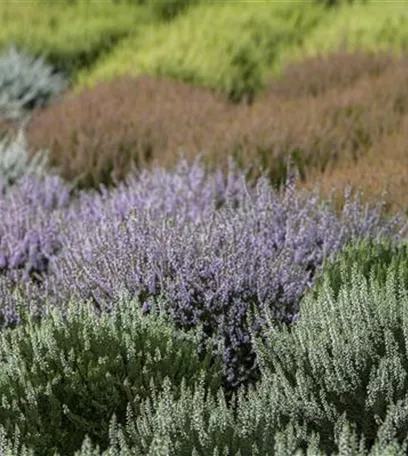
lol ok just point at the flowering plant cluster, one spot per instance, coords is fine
(211, 248)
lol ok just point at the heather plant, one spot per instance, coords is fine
(315, 76)
(96, 135)
(243, 48)
(371, 257)
(379, 173)
(321, 134)
(29, 211)
(259, 249)
(363, 25)
(26, 83)
(343, 361)
(71, 372)
(198, 425)
(170, 9)
(74, 35)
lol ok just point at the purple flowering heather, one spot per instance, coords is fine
(163, 234)
(28, 232)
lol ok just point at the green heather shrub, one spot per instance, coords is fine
(64, 377)
(230, 47)
(366, 26)
(344, 360)
(336, 384)
(73, 35)
(169, 9)
(370, 256)
(26, 83)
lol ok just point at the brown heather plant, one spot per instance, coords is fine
(383, 169)
(317, 75)
(127, 120)
(320, 132)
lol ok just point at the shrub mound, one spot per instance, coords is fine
(69, 374)
(104, 130)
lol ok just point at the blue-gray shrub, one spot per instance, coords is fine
(14, 161)
(26, 83)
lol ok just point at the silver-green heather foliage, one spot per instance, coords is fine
(14, 161)
(26, 82)
(62, 379)
(335, 383)
(371, 256)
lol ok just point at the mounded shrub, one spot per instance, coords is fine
(74, 35)
(243, 49)
(344, 361)
(104, 130)
(62, 379)
(26, 83)
(209, 264)
(372, 257)
(315, 76)
(14, 161)
(29, 232)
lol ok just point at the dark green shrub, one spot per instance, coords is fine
(63, 378)
(370, 256)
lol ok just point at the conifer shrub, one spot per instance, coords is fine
(26, 83)
(63, 378)
(14, 160)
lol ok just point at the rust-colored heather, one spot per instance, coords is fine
(138, 120)
(383, 169)
(126, 121)
(318, 132)
(317, 75)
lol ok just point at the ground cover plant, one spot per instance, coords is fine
(227, 46)
(362, 25)
(105, 129)
(280, 315)
(73, 35)
(208, 249)
(297, 406)
(342, 126)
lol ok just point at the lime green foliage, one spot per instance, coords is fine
(71, 35)
(370, 256)
(63, 378)
(169, 9)
(231, 47)
(369, 26)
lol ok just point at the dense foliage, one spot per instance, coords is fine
(26, 83)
